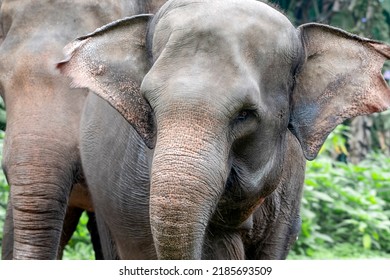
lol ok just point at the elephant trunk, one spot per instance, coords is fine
(188, 175)
(40, 182)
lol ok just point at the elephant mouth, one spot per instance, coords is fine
(236, 215)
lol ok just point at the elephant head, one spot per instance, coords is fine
(217, 88)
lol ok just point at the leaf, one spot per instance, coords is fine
(362, 227)
(386, 7)
(348, 222)
(324, 237)
(323, 196)
(366, 241)
(372, 199)
(375, 235)
(309, 252)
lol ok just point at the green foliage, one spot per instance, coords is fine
(340, 251)
(345, 203)
(366, 18)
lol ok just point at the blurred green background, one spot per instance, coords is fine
(346, 202)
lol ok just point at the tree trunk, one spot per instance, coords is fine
(360, 143)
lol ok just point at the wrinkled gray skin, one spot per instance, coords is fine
(41, 152)
(227, 94)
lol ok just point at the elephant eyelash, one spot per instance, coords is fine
(245, 114)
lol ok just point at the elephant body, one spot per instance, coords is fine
(194, 146)
(41, 156)
(124, 212)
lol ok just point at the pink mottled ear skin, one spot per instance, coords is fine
(340, 79)
(112, 63)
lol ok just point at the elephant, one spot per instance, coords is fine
(41, 158)
(195, 140)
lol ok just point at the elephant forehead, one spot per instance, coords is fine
(197, 85)
(221, 51)
(220, 24)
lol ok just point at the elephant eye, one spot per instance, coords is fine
(244, 115)
(245, 122)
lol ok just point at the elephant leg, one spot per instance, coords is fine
(71, 221)
(277, 245)
(38, 220)
(107, 242)
(8, 234)
(80, 198)
(95, 238)
(277, 222)
(70, 224)
(224, 244)
(276, 226)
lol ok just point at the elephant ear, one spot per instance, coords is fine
(339, 79)
(112, 62)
